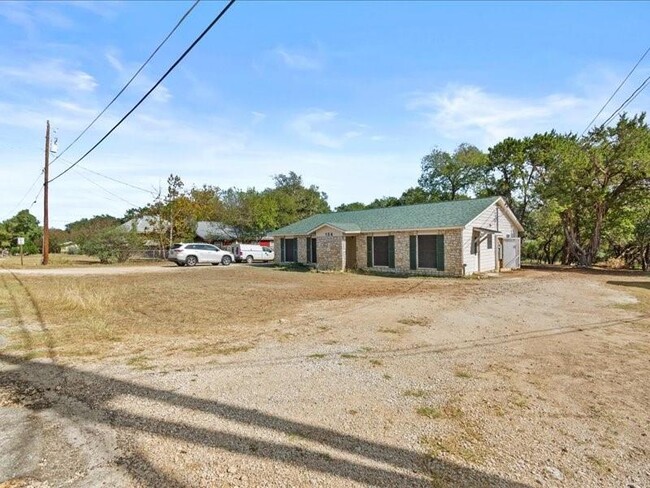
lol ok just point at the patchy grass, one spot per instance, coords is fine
(429, 412)
(169, 313)
(139, 362)
(317, 356)
(414, 393)
(420, 321)
(390, 330)
(600, 465)
(462, 373)
(376, 362)
(447, 411)
(349, 355)
(218, 349)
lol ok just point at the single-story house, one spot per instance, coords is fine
(145, 225)
(447, 239)
(215, 233)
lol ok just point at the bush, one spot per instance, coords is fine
(113, 245)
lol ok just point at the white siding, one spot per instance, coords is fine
(493, 218)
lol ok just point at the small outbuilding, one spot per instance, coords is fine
(455, 238)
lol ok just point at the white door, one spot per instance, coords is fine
(512, 253)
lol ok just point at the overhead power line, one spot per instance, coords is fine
(20, 202)
(128, 82)
(104, 189)
(151, 192)
(629, 99)
(616, 91)
(146, 95)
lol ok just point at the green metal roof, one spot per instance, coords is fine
(424, 216)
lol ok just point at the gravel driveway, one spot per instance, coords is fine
(537, 378)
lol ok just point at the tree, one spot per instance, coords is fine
(23, 224)
(449, 176)
(81, 231)
(350, 207)
(295, 201)
(592, 177)
(113, 245)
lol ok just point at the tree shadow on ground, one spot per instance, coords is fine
(634, 284)
(594, 270)
(85, 396)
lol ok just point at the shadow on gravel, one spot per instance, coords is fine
(634, 284)
(590, 271)
(85, 396)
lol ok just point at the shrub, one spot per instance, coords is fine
(113, 245)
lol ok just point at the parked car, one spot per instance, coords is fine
(252, 252)
(196, 253)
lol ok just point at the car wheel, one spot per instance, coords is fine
(226, 260)
(249, 259)
(191, 260)
(214, 264)
(179, 263)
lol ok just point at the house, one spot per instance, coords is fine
(146, 225)
(446, 239)
(69, 247)
(215, 233)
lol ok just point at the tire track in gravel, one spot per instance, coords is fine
(26, 311)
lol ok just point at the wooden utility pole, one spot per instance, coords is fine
(46, 212)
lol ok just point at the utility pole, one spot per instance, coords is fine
(46, 213)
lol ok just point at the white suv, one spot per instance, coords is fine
(196, 252)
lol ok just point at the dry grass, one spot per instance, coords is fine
(114, 315)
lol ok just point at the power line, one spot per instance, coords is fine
(20, 202)
(629, 99)
(128, 82)
(105, 189)
(146, 95)
(616, 91)
(151, 192)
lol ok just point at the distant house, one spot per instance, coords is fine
(70, 247)
(146, 225)
(215, 233)
(448, 239)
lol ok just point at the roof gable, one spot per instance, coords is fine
(424, 216)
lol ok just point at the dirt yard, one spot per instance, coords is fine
(247, 376)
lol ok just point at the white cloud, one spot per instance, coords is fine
(257, 118)
(469, 113)
(53, 73)
(299, 60)
(309, 126)
(126, 70)
(29, 18)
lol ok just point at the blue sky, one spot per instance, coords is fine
(350, 95)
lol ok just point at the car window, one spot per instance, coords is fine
(208, 247)
(267, 249)
(191, 246)
(176, 246)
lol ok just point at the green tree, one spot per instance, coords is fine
(23, 224)
(349, 207)
(593, 177)
(450, 176)
(113, 245)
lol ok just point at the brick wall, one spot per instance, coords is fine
(330, 252)
(453, 254)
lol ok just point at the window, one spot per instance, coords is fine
(290, 248)
(475, 237)
(380, 251)
(311, 249)
(427, 252)
(489, 241)
(267, 249)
